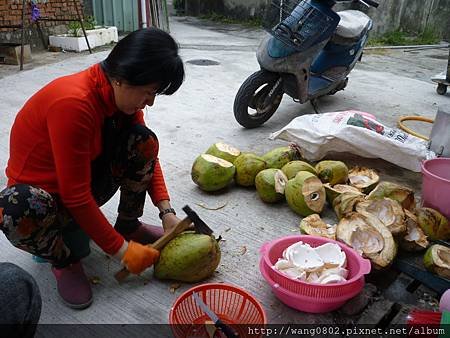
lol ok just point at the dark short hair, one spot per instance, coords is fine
(146, 56)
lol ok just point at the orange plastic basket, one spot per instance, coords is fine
(232, 305)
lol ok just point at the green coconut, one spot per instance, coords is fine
(189, 257)
(313, 225)
(364, 179)
(305, 194)
(270, 184)
(401, 194)
(248, 165)
(338, 189)
(433, 223)
(437, 260)
(211, 173)
(292, 168)
(278, 157)
(224, 151)
(414, 239)
(367, 235)
(333, 172)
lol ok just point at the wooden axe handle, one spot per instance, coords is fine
(183, 225)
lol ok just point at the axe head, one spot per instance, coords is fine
(199, 225)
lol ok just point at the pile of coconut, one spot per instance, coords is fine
(375, 217)
(325, 264)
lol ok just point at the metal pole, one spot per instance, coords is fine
(23, 35)
(82, 25)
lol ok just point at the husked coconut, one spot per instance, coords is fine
(437, 260)
(333, 172)
(367, 235)
(331, 255)
(248, 165)
(224, 151)
(388, 211)
(364, 179)
(433, 223)
(283, 264)
(278, 157)
(415, 239)
(331, 279)
(305, 194)
(295, 273)
(313, 225)
(270, 185)
(335, 271)
(397, 192)
(292, 168)
(211, 173)
(346, 202)
(338, 189)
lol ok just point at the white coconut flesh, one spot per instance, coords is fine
(280, 181)
(324, 264)
(226, 148)
(331, 255)
(303, 256)
(314, 225)
(216, 160)
(388, 211)
(414, 233)
(313, 193)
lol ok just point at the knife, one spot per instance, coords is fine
(226, 329)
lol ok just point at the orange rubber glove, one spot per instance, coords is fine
(139, 257)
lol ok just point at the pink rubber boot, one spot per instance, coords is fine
(73, 286)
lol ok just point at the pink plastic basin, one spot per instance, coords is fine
(436, 185)
(310, 297)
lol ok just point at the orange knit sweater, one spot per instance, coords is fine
(54, 139)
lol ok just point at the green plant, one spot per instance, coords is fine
(401, 38)
(74, 27)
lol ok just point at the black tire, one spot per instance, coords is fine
(252, 95)
(441, 89)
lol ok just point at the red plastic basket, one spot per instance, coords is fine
(232, 305)
(311, 297)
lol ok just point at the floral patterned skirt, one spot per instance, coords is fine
(36, 221)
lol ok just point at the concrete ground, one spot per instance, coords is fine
(388, 84)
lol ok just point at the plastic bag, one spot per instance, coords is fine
(357, 133)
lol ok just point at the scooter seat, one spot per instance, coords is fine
(353, 24)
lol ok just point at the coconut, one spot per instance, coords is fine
(248, 165)
(401, 194)
(304, 257)
(278, 157)
(292, 168)
(305, 194)
(333, 172)
(363, 179)
(336, 190)
(437, 260)
(415, 239)
(346, 202)
(331, 255)
(388, 211)
(314, 226)
(433, 223)
(189, 257)
(224, 151)
(211, 173)
(270, 184)
(367, 235)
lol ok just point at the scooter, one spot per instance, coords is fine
(309, 53)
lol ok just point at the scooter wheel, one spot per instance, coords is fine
(251, 108)
(441, 89)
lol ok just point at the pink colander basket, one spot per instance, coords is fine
(311, 297)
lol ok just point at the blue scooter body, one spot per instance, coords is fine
(318, 62)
